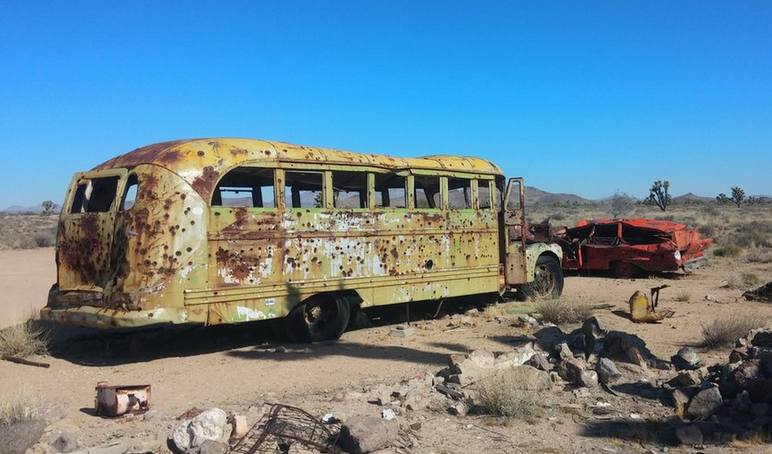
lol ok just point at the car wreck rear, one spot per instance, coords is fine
(630, 246)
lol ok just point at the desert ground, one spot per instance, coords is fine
(243, 368)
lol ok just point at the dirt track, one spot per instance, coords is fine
(225, 368)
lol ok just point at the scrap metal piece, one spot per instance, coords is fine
(288, 429)
(119, 400)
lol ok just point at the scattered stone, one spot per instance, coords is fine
(329, 418)
(361, 434)
(737, 355)
(517, 357)
(472, 312)
(209, 425)
(450, 390)
(66, 442)
(573, 370)
(458, 409)
(525, 320)
(438, 380)
(681, 399)
(607, 371)
(402, 331)
(388, 414)
(548, 337)
(539, 361)
(687, 378)
(416, 401)
(467, 369)
(563, 351)
(689, 435)
(761, 337)
(686, 358)
(380, 395)
(704, 403)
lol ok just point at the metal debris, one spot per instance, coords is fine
(288, 429)
(119, 400)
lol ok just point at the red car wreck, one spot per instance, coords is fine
(629, 247)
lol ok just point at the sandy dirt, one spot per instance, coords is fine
(235, 368)
(25, 277)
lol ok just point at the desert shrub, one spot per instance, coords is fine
(727, 250)
(45, 239)
(754, 233)
(560, 312)
(707, 230)
(725, 331)
(682, 296)
(710, 210)
(760, 255)
(557, 216)
(500, 396)
(22, 340)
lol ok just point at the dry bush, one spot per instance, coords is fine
(560, 312)
(23, 340)
(707, 230)
(725, 331)
(750, 280)
(760, 255)
(682, 296)
(499, 396)
(727, 250)
(20, 407)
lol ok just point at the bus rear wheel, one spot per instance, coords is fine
(318, 319)
(548, 280)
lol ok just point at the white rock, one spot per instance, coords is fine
(209, 425)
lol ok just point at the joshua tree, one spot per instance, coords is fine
(738, 195)
(722, 198)
(658, 194)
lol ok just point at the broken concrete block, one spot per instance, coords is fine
(362, 434)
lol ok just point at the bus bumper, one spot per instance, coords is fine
(99, 317)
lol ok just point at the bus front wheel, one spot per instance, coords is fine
(319, 318)
(548, 280)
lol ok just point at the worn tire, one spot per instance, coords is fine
(320, 318)
(548, 283)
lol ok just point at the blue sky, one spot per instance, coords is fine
(582, 97)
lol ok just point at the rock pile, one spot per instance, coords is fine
(725, 401)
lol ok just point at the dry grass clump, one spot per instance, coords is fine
(23, 340)
(500, 396)
(727, 250)
(725, 331)
(759, 255)
(683, 296)
(21, 407)
(560, 312)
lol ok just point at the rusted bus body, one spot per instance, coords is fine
(188, 248)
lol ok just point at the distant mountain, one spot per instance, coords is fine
(690, 197)
(19, 209)
(537, 196)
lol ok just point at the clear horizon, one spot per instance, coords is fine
(586, 99)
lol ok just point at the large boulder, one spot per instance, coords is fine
(209, 425)
(362, 434)
(704, 403)
(467, 369)
(517, 357)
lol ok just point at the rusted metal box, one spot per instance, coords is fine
(119, 400)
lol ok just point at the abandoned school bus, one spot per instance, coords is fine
(216, 231)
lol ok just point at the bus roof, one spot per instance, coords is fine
(201, 161)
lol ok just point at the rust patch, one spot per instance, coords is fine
(204, 184)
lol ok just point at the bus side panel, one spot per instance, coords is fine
(263, 262)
